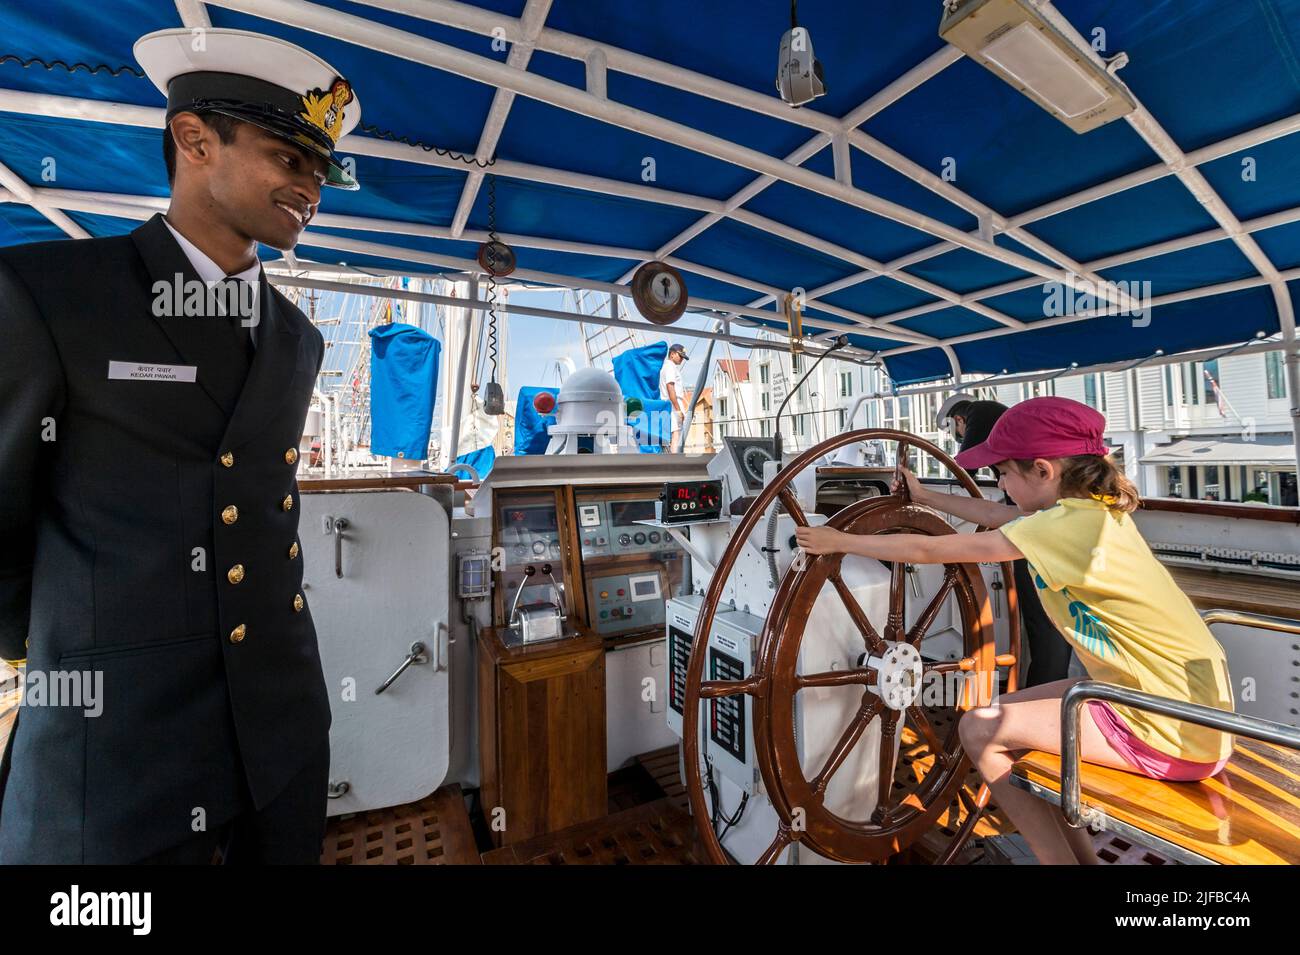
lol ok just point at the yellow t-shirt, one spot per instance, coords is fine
(1126, 618)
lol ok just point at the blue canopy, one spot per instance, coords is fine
(587, 188)
(403, 389)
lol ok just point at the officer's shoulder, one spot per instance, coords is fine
(295, 317)
(53, 263)
(65, 253)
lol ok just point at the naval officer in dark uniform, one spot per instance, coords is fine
(148, 505)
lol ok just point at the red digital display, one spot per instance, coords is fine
(685, 493)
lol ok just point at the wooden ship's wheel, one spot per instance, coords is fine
(887, 670)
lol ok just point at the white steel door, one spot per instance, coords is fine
(375, 568)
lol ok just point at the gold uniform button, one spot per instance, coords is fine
(235, 574)
(293, 551)
(237, 635)
(229, 514)
(291, 456)
(298, 602)
(287, 503)
(228, 459)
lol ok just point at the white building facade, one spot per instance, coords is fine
(1206, 430)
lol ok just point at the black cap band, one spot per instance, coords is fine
(245, 97)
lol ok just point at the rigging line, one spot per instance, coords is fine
(71, 68)
(407, 141)
(493, 240)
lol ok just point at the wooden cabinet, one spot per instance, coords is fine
(541, 734)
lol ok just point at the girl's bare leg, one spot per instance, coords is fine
(995, 735)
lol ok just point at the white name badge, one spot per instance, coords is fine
(136, 371)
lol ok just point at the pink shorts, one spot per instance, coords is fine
(1143, 758)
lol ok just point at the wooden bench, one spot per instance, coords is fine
(1247, 814)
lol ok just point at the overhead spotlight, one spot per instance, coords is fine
(799, 77)
(1020, 44)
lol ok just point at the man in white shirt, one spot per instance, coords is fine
(670, 387)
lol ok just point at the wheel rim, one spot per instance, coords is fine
(772, 682)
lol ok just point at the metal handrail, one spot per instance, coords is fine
(1243, 619)
(1236, 723)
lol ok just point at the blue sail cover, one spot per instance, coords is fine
(1209, 71)
(403, 388)
(481, 461)
(531, 425)
(637, 370)
(637, 373)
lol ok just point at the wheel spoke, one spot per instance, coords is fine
(922, 724)
(900, 462)
(861, 676)
(783, 838)
(897, 600)
(869, 635)
(886, 771)
(927, 618)
(792, 507)
(716, 689)
(871, 705)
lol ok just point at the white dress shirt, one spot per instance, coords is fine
(210, 272)
(670, 373)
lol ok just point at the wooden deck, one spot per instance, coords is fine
(434, 831)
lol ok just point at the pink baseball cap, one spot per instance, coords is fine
(1040, 428)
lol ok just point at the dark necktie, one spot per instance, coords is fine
(233, 296)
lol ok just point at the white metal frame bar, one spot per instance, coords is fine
(24, 193)
(280, 276)
(141, 207)
(521, 51)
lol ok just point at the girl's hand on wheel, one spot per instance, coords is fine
(821, 540)
(915, 490)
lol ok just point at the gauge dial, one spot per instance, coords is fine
(753, 460)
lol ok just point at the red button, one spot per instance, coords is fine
(620, 593)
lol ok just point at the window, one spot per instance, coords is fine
(764, 373)
(767, 401)
(1090, 390)
(796, 364)
(1169, 386)
(1275, 371)
(1192, 382)
(846, 384)
(905, 414)
(765, 428)
(1210, 370)
(843, 415)
(800, 425)
(722, 407)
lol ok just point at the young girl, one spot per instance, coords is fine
(1105, 591)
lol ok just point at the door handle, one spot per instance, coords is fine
(415, 656)
(340, 525)
(439, 661)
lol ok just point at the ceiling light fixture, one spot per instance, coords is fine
(1013, 40)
